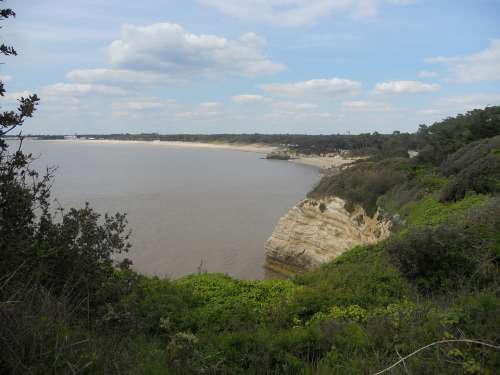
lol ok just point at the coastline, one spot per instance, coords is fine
(323, 162)
(255, 148)
(320, 162)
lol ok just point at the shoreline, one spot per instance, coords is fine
(254, 147)
(323, 162)
(320, 162)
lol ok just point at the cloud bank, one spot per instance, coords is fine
(169, 49)
(296, 12)
(328, 88)
(404, 87)
(477, 67)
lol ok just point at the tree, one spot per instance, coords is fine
(15, 213)
(52, 272)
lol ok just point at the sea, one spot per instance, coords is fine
(190, 209)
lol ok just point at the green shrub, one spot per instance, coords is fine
(445, 137)
(413, 190)
(476, 168)
(224, 303)
(362, 276)
(430, 211)
(435, 259)
(456, 254)
(160, 306)
(363, 183)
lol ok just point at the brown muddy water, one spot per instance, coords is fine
(186, 206)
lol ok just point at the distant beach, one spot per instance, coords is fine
(321, 162)
(257, 148)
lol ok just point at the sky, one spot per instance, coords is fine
(250, 66)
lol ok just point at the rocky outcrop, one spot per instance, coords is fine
(317, 231)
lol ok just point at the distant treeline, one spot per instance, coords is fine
(367, 143)
(454, 131)
(458, 155)
(47, 137)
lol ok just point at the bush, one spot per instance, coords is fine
(362, 276)
(476, 168)
(429, 211)
(37, 334)
(457, 254)
(413, 190)
(226, 304)
(363, 183)
(445, 137)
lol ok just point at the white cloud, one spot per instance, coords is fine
(120, 76)
(329, 88)
(361, 106)
(143, 108)
(404, 87)
(249, 98)
(5, 78)
(468, 102)
(81, 89)
(206, 110)
(143, 104)
(481, 66)
(13, 97)
(452, 105)
(296, 107)
(253, 40)
(427, 74)
(209, 105)
(296, 12)
(402, 2)
(293, 111)
(169, 49)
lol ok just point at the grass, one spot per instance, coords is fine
(429, 211)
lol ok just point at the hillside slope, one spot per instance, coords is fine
(65, 309)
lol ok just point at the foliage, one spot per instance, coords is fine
(430, 211)
(381, 145)
(363, 183)
(51, 271)
(476, 168)
(421, 185)
(226, 304)
(457, 254)
(446, 137)
(362, 277)
(68, 306)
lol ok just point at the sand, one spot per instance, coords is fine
(313, 161)
(256, 148)
(326, 162)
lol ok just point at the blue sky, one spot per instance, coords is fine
(269, 66)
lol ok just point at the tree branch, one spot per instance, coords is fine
(402, 360)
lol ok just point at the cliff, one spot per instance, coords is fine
(317, 231)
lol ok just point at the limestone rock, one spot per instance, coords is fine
(317, 231)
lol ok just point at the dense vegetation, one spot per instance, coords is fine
(396, 144)
(67, 307)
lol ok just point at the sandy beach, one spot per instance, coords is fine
(313, 161)
(256, 148)
(323, 162)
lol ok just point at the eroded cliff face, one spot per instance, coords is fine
(317, 231)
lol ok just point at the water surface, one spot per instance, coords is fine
(185, 206)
